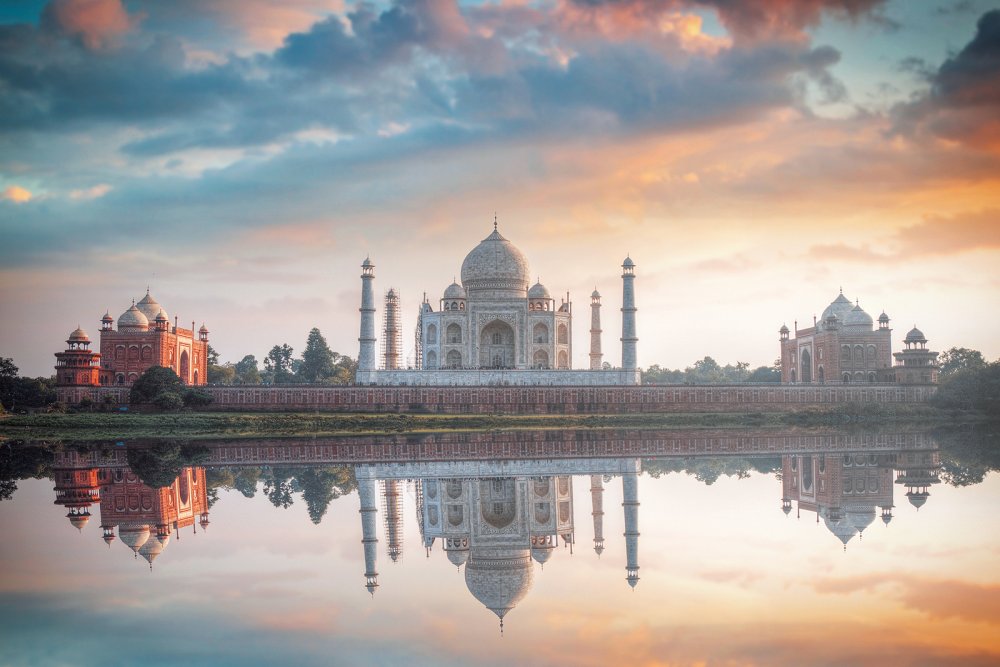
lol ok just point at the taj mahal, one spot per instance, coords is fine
(493, 328)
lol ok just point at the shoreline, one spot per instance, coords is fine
(207, 425)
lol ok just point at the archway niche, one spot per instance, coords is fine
(496, 345)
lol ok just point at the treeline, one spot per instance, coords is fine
(317, 365)
(968, 382)
(708, 371)
(319, 485)
(19, 393)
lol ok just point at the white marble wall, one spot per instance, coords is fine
(488, 377)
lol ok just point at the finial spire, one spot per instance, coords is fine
(494, 220)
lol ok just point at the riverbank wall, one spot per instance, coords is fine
(522, 400)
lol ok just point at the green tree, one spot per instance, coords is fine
(960, 358)
(971, 389)
(765, 374)
(321, 485)
(168, 401)
(154, 381)
(317, 359)
(278, 364)
(160, 464)
(247, 371)
(213, 356)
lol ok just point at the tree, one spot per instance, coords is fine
(764, 374)
(960, 358)
(168, 401)
(213, 356)
(971, 389)
(278, 364)
(247, 371)
(317, 359)
(154, 381)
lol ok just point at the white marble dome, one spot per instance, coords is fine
(539, 291)
(150, 308)
(495, 263)
(499, 580)
(133, 535)
(858, 318)
(133, 318)
(841, 307)
(454, 291)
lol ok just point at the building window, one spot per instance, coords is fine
(432, 334)
(454, 334)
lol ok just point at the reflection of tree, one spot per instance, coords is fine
(246, 481)
(159, 465)
(321, 485)
(709, 469)
(969, 453)
(19, 460)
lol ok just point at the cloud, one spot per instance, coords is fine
(93, 192)
(963, 103)
(17, 194)
(96, 23)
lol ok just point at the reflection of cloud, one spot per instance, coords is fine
(96, 23)
(92, 192)
(938, 598)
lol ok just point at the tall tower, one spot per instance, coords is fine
(393, 331)
(595, 331)
(393, 499)
(366, 355)
(597, 505)
(628, 315)
(630, 502)
(369, 528)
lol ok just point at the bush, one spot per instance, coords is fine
(168, 401)
(196, 398)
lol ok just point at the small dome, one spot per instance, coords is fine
(153, 547)
(539, 291)
(541, 554)
(367, 263)
(861, 517)
(858, 318)
(595, 294)
(915, 335)
(203, 329)
(79, 336)
(495, 263)
(458, 556)
(392, 293)
(783, 329)
(107, 317)
(454, 291)
(628, 263)
(133, 318)
(917, 498)
(133, 535)
(886, 518)
(883, 318)
(150, 308)
(79, 520)
(161, 316)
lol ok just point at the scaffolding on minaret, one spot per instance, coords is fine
(392, 505)
(418, 336)
(392, 338)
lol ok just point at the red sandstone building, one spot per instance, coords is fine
(843, 346)
(144, 338)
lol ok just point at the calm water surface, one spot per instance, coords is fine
(758, 548)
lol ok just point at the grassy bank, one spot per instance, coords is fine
(110, 426)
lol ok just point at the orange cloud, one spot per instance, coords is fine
(17, 194)
(97, 23)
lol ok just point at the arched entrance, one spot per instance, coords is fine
(496, 345)
(453, 359)
(540, 359)
(807, 371)
(185, 366)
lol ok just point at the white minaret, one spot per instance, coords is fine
(595, 331)
(630, 502)
(628, 315)
(366, 353)
(393, 499)
(597, 511)
(369, 527)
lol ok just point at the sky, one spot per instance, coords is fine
(920, 591)
(241, 158)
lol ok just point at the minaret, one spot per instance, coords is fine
(597, 503)
(366, 355)
(595, 331)
(393, 334)
(628, 315)
(630, 501)
(369, 529)
(393, 518)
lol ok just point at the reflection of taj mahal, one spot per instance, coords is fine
(491, 324)
(496, 527)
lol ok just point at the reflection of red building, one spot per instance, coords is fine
(146, 517)
(144, 338)
(844, 490)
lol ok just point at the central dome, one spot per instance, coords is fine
(496, 263)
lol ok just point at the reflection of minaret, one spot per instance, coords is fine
(393, 332)
(76, 490)
(366, 353)
(597, 503)
(630, 501)
(628, 315)
(595, 331)
(369, 530)
(394, 518)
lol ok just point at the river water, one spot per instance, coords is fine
(748, 548)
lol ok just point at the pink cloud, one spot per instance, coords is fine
(97, 23)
